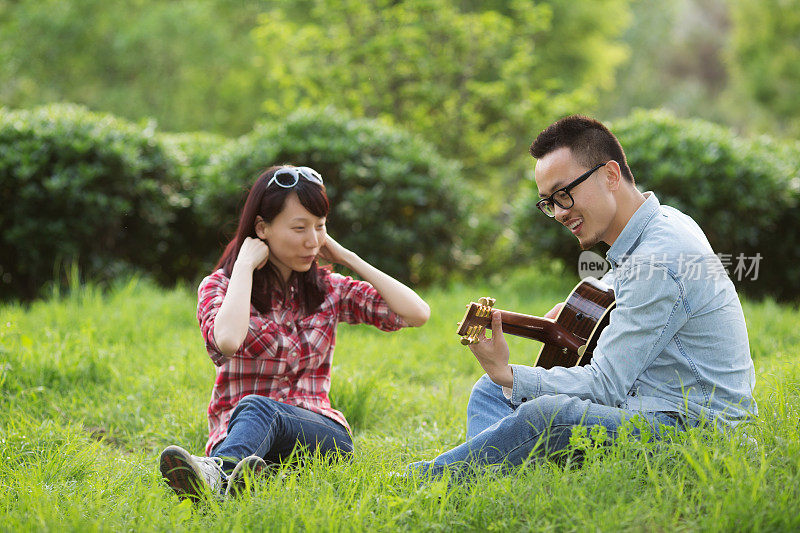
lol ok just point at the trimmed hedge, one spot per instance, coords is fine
(744, 193)
(193, 253)
(113, 196)
(110, 196)
(394, 200)
(83, 187)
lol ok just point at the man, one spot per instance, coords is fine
(675, 352)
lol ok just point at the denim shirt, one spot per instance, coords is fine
(676, 340)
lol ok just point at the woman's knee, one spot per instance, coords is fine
(253, 403)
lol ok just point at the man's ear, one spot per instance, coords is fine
(262, 228)
(613, 175)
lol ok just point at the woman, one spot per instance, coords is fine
(268, 316)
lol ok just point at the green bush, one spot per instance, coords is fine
(191, 257)
(743, 193)
(394, 201)
(80, 186)
(108, 196)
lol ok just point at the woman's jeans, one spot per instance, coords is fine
(497, 433)
(271, 429)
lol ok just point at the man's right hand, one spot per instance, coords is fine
(254, 254)
(553, 313)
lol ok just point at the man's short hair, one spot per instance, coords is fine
(590, 141)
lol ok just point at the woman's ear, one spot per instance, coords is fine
(262, 228)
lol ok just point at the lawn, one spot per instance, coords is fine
(95, 383)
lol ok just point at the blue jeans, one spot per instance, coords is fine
(497, 433)
(271, 429)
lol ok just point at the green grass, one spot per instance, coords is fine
(93, 384)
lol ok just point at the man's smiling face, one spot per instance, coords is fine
(594, 208)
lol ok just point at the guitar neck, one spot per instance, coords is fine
(537, 328)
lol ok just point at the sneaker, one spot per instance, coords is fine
(242, 476)
(189, 475)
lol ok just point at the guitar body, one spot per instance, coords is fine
(569, 340)
(586, 312)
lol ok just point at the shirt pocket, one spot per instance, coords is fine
(262, 340)
(316, 333)
(324, 320)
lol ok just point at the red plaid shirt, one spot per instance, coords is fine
(285, 356)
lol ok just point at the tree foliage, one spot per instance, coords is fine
(766, 57)
(677, 60)
(475, 79)
(188, 64)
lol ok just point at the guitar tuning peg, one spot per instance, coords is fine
(482, 300)
(491, 301)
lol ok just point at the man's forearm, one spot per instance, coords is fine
(502, 376)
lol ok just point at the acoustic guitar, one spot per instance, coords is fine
(569, 339)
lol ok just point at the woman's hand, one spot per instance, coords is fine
(401, 299)
(253, 254)
(334, 252)
(233, 318)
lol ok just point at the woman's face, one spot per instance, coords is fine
(294, 237)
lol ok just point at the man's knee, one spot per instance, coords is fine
(552, 409)
(485, 385)
(484, 390)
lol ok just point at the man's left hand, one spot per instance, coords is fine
(493, 354)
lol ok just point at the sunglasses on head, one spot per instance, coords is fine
(288, 177)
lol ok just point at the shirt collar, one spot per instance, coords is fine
(281, 295)
(633, 229)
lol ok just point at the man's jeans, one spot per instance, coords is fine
(541, 427)
(271, 429)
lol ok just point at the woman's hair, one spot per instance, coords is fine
(268, 202)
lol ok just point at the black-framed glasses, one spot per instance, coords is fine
(562, 198)
(287, 177)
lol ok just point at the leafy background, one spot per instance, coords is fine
(130, 129)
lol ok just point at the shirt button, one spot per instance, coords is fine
(288, 324)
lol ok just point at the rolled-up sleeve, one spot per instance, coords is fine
(360, 303)
(650, 309)
(210, 294)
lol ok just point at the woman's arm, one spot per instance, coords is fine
(233, 318)
(400, 298)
